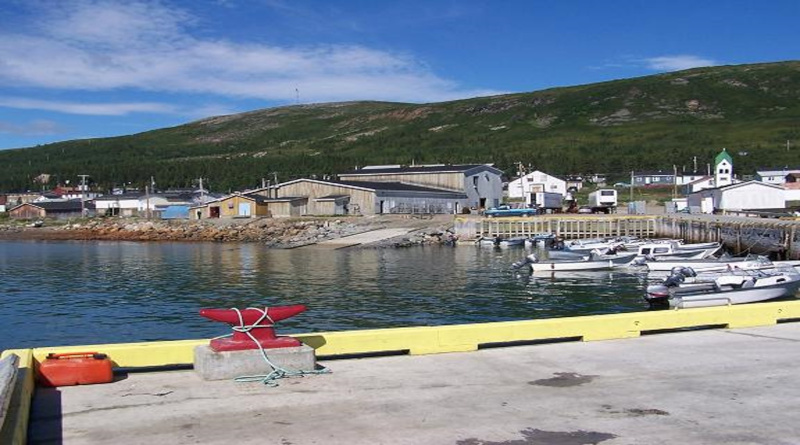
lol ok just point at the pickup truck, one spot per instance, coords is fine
(508, 211)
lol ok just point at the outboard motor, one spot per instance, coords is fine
(525, 261)
(683, 270)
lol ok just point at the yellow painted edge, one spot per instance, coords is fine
(466, 337)
(15, 428)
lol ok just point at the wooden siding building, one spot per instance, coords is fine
(364, 198)
(481, 183)
(241, 205)
(52, 210)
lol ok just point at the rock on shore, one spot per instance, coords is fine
(276, 233)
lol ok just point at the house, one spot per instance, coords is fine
(535, 182)
(3, 201)
(241, 205)
(775, 175)
(481, 183)
(684, 178)
(751, 195)
(792, 188)
(653, 179)
(597, 179)
(125, 204)
(52, 209)
(15, 199)
(574, 182)
(703, 182)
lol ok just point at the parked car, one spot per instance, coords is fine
(505, 210)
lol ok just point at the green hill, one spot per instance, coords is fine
(651, 122)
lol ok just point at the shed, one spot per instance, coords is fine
(52, 209)
(750, 195)
(248, 205)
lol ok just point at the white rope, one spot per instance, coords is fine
(277, 371)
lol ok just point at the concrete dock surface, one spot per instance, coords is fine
(702, 387)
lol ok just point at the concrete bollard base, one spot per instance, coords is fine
(213, 365)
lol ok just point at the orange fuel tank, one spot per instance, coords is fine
(75, 368)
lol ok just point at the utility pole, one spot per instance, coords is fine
(83, 196)
(675, 181)
(147, 200)
(631, 185)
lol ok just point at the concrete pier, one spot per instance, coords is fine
(732, 386)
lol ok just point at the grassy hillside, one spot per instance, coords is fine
(651, 122)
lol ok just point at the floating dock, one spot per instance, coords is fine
(732, 382)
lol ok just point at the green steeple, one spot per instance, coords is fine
(723, 155)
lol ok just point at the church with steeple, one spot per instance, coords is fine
(723, 169)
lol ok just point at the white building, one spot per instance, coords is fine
(118, 205)
(751, 195)
(723, 169)
(688, 178)
(775, 176)
(703, 182)
(534, 182)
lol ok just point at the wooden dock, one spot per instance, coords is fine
(740, 235)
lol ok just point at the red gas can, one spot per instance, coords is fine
(76, 368)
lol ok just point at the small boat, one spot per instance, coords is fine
(501, 242)
(654, 250)
(587, 246)
(662, 264)
(722, 289)
(595, 261)
(511, 242)
(540, 239)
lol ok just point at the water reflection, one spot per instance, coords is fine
(96, 292)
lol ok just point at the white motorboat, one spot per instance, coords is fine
(709, 265)
(594, 262)
(654, 250)
(723, 289)
(587, 246)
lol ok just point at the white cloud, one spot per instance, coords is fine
(39, 127)
(97, 109)
(100, 45)
(677, 63)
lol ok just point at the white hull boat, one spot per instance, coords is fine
(726, 289)
(673, 249)
(594, 262)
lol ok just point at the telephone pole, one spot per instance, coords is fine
(83, 194)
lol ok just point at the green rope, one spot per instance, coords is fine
(277, 371)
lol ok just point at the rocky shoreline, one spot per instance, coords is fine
(273, 233)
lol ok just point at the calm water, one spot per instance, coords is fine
(69, 293)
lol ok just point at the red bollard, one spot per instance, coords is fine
(254, 322)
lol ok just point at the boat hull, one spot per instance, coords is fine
(611, 263)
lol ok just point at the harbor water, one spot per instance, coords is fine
(77, 293)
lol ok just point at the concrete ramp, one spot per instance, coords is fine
(361, 238)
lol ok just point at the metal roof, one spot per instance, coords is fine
(458, 168)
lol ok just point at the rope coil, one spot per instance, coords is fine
(277, 371)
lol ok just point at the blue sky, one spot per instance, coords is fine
(72, 69)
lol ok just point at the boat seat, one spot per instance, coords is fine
(748, 284)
